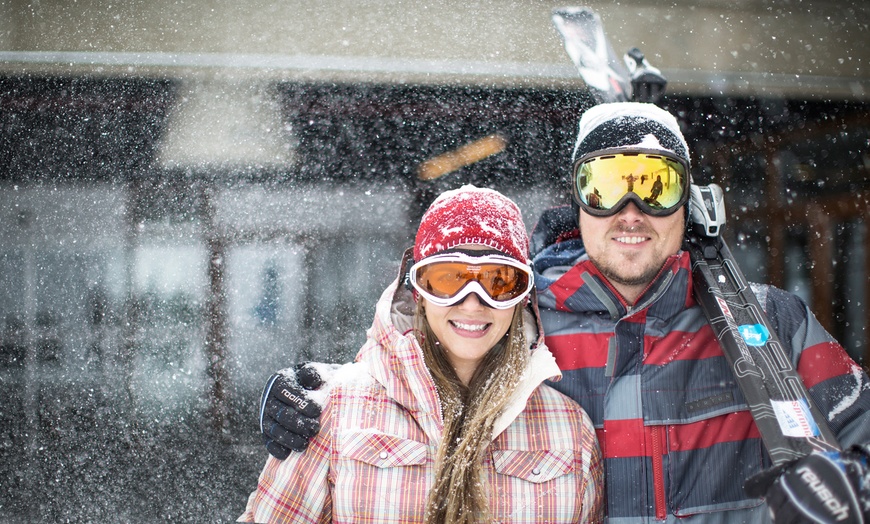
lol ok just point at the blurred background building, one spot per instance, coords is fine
(196, 193)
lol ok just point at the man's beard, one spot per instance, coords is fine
(612, 273)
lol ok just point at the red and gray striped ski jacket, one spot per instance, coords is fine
(676, 433)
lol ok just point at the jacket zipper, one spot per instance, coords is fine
(658, 471)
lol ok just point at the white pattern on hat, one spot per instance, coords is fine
(599, 114)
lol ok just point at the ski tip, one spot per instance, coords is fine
(575, 12)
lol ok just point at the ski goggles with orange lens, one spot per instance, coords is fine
(605, 181)
(445, 280)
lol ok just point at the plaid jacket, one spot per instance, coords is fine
(373, 459)
(675, 430)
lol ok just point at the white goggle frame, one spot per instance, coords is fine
(472, 286)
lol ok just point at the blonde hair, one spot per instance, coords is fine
(459, 494)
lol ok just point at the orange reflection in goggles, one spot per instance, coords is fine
(445, 279)
(601, 182)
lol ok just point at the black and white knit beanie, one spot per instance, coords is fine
(629, 125)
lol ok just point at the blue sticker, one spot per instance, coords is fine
(755, 334)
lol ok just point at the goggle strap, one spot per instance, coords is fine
(405, 271)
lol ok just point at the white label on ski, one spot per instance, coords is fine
(794, 418)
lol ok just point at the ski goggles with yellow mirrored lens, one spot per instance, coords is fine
(445, 280)
(605, 181)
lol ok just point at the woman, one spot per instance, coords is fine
(444, 417)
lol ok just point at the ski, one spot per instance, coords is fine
(790, 424)
(591, 52)
(583, 37)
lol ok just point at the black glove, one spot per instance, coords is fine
(832, 487)
(288, 417)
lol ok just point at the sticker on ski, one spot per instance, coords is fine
(795, 418)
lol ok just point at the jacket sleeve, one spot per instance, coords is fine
(837, 384)
(297, 489)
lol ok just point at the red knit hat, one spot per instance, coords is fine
(472, 215)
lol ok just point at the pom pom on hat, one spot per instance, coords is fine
(472, 215)
(629, 125)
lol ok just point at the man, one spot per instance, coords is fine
(637, 353)
(657, 189)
